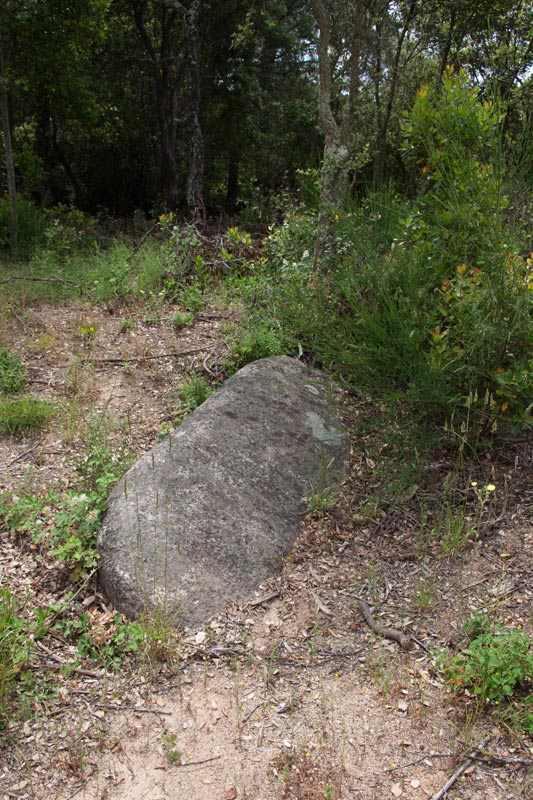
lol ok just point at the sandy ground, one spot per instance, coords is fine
(291, 696)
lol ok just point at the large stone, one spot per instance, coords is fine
(209, 513)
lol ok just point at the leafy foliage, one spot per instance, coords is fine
(20, 415)
(496, 668)
(12, 373)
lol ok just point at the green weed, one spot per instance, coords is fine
(169, 740)
(15, 651)
(180, 319)
(322, 500)
(496, 669)
(21, 415)
(13, 376)
(193, 393)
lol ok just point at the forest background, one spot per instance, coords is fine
(352, 179)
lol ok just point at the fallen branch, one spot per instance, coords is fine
(126, 359)
(387, 633)
(195, 763)
(135, 709)
(459, 771)
(24, 454)
(51, 279)
(419, 761)
(263, 599)
(513, 762)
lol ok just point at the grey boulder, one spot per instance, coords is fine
(210, 512)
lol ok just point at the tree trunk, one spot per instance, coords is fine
(336, 134)
(65, 163)
(381, 149)
(232, 186)
(166, 100)
(10, 164)
(195, 177)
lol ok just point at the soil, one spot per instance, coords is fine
(291, 695)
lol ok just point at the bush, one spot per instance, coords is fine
(496, 668)
(15, 651)
(12, 374)
(23, 415)
(31, 226)
(433, 303)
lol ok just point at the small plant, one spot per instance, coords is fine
(15, 650)
(307, 774)
(258, 342)
(323, 500)
(496, 669)
(192, 298)
(193, 393)
(22, 415)
(164, 429)
(88, 331)
(168, 740)
(126, 325)
(12, 373)
(426, 595)
(454, 531)
(181, 318)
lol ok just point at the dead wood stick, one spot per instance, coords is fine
(24, 454)
(195, 763)
(514, 762)
(135, 709)
(263, 599)
(419, 760)
(387, 633)
(459, 771)
(51, 279)
(126, 359)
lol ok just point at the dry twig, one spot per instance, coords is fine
(459, 771)
(387, 633)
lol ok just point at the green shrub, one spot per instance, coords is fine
(15, 651)
(12, 374)
(259, 341)
(193, 393)
(496, 668)
(31, 226)
(180, 319)
(433, 304)
(23, 415)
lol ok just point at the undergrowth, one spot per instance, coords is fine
(495, 670)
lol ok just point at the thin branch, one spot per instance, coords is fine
(126, 359)
(459, 771)
(51, 279)
(387, 633)
(196, 763)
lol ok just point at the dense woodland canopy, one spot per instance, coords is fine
(202, 107)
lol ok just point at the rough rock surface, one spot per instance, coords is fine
(209, 513)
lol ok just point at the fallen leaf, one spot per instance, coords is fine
(396, 790)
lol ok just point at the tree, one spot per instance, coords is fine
(340, 28)
(8, 148)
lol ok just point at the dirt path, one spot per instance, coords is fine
(288, 697)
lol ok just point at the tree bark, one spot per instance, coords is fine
(337, 134)
(10, 163)
(381, 149)
(195, 177)
(166, 93)
(232, 186)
